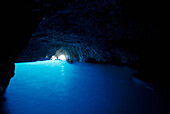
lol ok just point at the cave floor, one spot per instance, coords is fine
(57, 87)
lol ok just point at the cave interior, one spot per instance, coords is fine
(115, 32)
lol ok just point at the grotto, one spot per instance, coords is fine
(112, 45)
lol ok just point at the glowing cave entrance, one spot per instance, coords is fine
(53, 58)
(61, 57)
(60, 54)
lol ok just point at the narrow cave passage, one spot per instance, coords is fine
(57, 87)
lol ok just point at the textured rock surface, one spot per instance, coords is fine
(86, 29)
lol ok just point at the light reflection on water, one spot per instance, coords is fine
(57, 87)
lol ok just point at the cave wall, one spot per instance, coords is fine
(110, 31)
(97, 28)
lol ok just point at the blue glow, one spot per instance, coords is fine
(57, 87)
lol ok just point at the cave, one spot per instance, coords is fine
(83, 56)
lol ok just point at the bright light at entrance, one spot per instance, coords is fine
(53, 58)
(62, 57)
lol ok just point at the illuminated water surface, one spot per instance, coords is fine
(57, 87)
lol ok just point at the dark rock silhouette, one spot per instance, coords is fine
(18, 22)
(69, 60)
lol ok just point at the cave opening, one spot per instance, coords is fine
(62, 57)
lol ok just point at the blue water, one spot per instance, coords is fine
(57, 87)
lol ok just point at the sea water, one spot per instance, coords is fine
(57, 87)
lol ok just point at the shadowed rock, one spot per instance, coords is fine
(19, 21)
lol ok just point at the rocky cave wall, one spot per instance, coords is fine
(87, 29)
